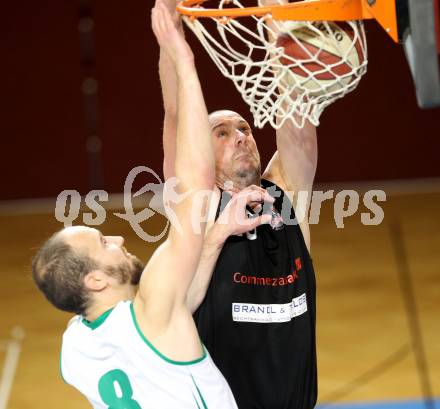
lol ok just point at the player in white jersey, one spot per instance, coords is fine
(131, 347)
(115, 365)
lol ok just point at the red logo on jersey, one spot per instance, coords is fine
(240, 278)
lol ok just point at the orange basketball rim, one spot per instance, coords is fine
(384, 11)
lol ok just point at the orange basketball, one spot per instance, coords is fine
(325, 53)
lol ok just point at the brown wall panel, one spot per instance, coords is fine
(41, 113)
(129, 92)
(377, 132)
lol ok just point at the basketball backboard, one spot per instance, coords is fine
(419, 33)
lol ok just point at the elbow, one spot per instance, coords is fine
(200, 177)
(207, 177)
(168, 169)
(170, 113)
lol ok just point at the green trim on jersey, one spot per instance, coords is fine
(99, 321)
(195, 361)
(197, 403)
(200, 395)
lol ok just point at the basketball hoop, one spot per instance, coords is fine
(283, 69)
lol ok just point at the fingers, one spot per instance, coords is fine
(170, 35)
(161, 21)
(171, 4)
(254, 188)
(153, 21)
(254, 194)
(157, 22)
(234, 218)
(247, 189)
(165, 20)
(251, 224)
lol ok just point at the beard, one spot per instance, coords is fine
(138, 268)
(127, 271)
(247, 175)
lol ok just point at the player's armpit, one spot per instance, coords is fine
(164, 283)
(166, 278)
(298, 188)
(177, 340)
(296, 157)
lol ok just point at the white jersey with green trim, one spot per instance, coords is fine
(111, 362)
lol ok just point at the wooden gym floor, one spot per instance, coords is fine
(373, 284)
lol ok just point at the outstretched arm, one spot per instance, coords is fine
(168, 82)
(293, 168)
(215, 238)
(232, 220)
(160, 304)
(293, 165)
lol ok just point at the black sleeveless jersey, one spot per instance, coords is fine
(258, 318)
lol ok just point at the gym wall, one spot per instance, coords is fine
(377, 132)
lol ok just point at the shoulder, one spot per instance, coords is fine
(78, 325)
(274, 173)
(73, 321)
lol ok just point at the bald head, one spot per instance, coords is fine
(223, 113)
(236, 154)
(61, 265)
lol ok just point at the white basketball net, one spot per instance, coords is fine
(276, 86)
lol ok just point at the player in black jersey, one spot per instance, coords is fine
(254, 294)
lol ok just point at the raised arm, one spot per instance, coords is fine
(232, 221)
(160, 304)
(168, 82)
(293, 166)
(215, 238)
